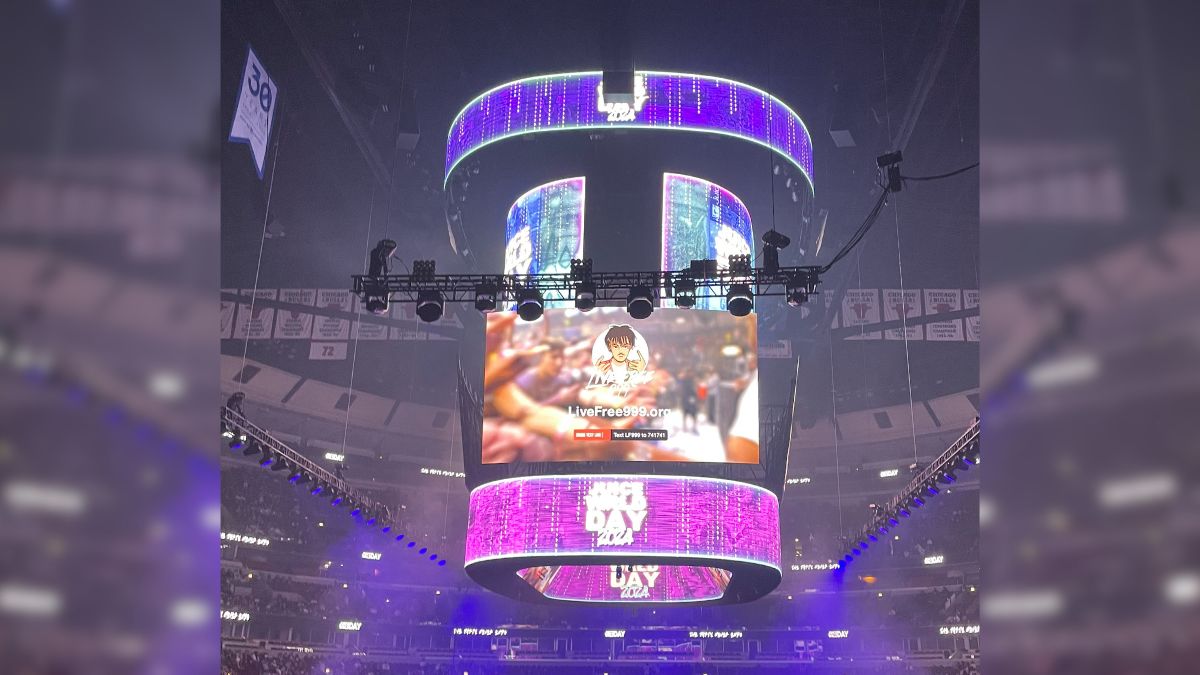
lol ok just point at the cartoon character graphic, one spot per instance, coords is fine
(624, 355)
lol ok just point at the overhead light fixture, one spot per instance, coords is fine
(252, 448)
(685, 293)
(740, 300)
(530, 304)
(485, 298)
(797, 292)
(430, 305)
(640, 303)
(585, 296)
(238, 441)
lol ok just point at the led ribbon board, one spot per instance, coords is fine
(702, 220)
(668, 101)
(624, 538)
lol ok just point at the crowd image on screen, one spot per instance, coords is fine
(693, 376)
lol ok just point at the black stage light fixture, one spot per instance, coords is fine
(739, 265)
(740, 300)
(773, 243)
(530, 304)
(238, 441)
(797, 292)
(485, 298)
(430, 305)
(424, 270)
(377, 304)
(640, 303)
(770, 259)
(281, 464)
(581, 270)
(267, 458)
(252, 448)
(585, 295)
(685, 293)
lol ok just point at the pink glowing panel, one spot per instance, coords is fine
(628, 583)
(610, 517)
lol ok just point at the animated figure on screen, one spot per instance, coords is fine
(624, 356)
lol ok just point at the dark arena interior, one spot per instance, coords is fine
(490, 395)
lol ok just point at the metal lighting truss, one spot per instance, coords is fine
(610, 287)
(966, 444)
(317, 474)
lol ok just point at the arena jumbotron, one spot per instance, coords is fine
(598, 345)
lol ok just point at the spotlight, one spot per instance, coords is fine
(336, 501)
(685, 293)
(304, 477)
(932, 489)
(430, 305)
(485, 298)
(226, 430)
(423, 551)
(355, 511)
(905, 512)
(385, 529)
(412, 544)
(872, 537)
(317, 489)
(640, 303)
(281, 465)
(237, 442)
(892, 521)
(948, 477)
(252, 448)
(377, 304)
(585, 296)
(399, 537)
(530, 304)
(267, 458)
(441, 563)
(918, 501)
(855, 551)
(740, 299)
(863, 545)
(797, 292)
(965, 464)
(295, 475)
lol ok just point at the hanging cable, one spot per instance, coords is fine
(356, 327)
(912, 415)
(263, 239)
(943, 175)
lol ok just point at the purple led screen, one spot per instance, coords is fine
(606, 515)
(628, 583)
(671, 101)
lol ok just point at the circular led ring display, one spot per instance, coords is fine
(663, 101)
(624, 538)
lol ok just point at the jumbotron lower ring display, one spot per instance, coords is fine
(627, 538)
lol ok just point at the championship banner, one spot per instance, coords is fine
(362, 330)
(327, 351)
(902, 303)
(292, 325)
(941, 301)
(228, 308)
(330, 328)
(860, 306)
(255, 110)
(970, 301)
(776, 349)
(256, 323)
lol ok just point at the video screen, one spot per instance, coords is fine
(702, 220)
(679, 386)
